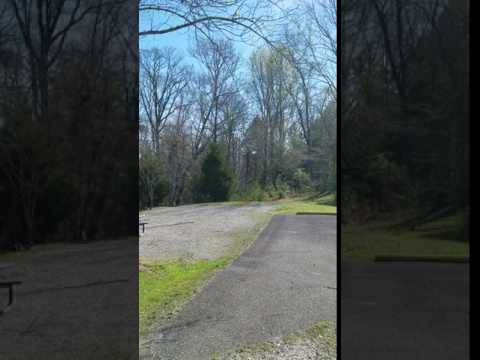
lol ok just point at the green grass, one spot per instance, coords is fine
(325, 332)
(166, 286)
(438, 238)
(324, 204)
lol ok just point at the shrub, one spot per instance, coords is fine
(271, 192)
(282, 190)
(254, 192)
(153, 185)
(301, 180)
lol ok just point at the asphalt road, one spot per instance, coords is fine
(285, 282)
(77, 301)
(404, 311)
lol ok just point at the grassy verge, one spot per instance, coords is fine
(243, 239)
(364, 242)
(324, 204)
(319, 339)
(325, 335)
(165, 286)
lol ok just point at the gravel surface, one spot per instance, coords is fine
(201, 231)
(301, 346)
(302, 350)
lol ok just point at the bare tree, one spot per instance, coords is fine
(163, 79)
(178, 156)
(26, 158)
(234, 18)
(44, 26)
(321, 40)
(234, 113)
(220, 62)
(270, 74)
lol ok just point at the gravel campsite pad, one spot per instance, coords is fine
(317, 343)
(202, 231)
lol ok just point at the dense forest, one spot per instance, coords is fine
(217, 125)
(68, 120)
(404, 109)
(81, 126)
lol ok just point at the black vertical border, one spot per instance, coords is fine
(339, 182)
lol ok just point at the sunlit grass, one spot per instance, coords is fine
(166, 286)
(324, 205)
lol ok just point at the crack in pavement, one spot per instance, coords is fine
(72, 287)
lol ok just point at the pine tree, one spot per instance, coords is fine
(215, 180)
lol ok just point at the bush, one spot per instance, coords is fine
(256, 193)
(301, 180)
(253, 193)
(271, 192)
(332, 178)
(282, 190)
(153, 185)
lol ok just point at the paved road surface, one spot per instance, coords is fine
(77, 301)
(404, 311)
(285, 282)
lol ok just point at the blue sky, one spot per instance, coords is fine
(178, 39)
(183, 40)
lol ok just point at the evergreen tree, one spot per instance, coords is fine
(215, 181)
